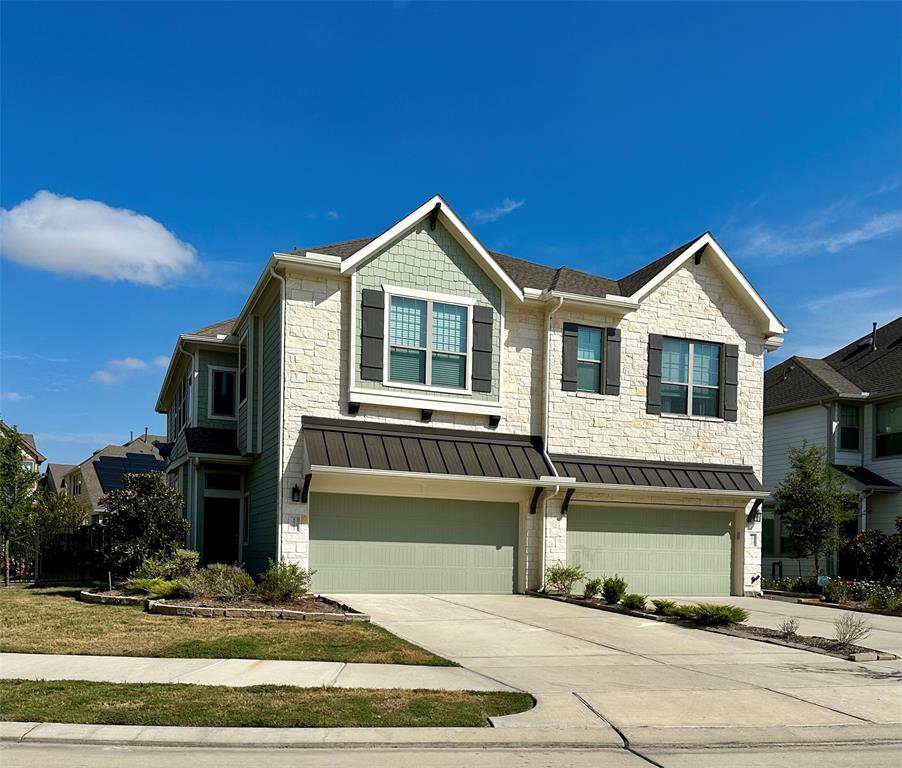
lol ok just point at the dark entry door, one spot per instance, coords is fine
(221, 530)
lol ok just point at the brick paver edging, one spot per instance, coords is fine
(172, 609)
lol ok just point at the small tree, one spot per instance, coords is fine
(18, 495)
(813, 503)
(142, 520)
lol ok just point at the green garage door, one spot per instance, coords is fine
(391, 544)
(657, 551)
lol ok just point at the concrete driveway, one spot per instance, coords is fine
(654, 682)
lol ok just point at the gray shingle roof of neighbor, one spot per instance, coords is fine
(856, 370)
(658, 474)
(54, 473)
(223, 328)
(403, 448)
(868, 479)
(528, 274)
(28, 443)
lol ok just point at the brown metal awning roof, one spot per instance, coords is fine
(425, 450)
(599, 470)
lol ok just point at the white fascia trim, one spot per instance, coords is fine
(580, 486)
(544, 481)
(408, 400)
(773, 342)
(617, 304)
(449, 219)
(774, 326)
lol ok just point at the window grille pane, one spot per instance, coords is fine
(407, 365)
(449, 328)
(849, 416)
(675, 361)
(449, 370)
(705, 401)
(408, 322)
(673, 398)
(848, 438)
(588, 377)
(706, 365)
(588, 344)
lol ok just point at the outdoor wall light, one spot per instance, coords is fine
(295, 493)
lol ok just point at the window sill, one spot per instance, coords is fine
(593, 395)
(409, 399)
(220, 417)
(426, 388)
(686, 417)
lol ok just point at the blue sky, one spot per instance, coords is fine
(597, 136)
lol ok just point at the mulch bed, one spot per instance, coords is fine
(825, 644)
(307, 604)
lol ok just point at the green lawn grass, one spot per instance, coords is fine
(52, 620)
(79, 701)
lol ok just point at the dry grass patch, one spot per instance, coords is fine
(52, 620)
(79, 701)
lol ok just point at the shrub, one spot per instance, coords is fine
(591, 588)
(284, 583)
(143, 521)
(836, 591)
(685, 612)
(562, 577)
(634, 602)
(613, 589)
(182, 563)
(793, 584)
(874, 555)
(218, 581)
(664, 607)
(710, 615)
(788, 625)
(850, 629)
(159, 587)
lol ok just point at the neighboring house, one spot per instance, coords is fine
(104, 471)
(850, 404)
(414, 413)
(32, 458)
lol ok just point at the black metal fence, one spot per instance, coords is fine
(73, 556)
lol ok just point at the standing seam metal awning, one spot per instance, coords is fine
(402, 448)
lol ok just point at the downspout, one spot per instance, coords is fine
(546, 398)
(863, 508)
(281, 480)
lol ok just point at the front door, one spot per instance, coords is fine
(221, 530)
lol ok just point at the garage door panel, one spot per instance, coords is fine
(658, 551)
(389, 544)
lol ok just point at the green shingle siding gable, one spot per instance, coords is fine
(431, 260)
(262, 477)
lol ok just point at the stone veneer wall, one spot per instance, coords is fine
(693, 303)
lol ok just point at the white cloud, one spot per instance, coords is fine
(161, 361)
(332, 215)
(105, 377)
(844, 297)
(812, 237)
(13, 397)
(128, 364)
(88, 238)
(493, 214)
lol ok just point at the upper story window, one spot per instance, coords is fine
(690, 378)
(76, 485)
(850, 427)
(182, 404)
(588, 359)
(223, 402)
(889, 429)
(242, 369)
(428, 342)
(28, 465)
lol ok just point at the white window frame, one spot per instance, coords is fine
(211, 369)
(430, 298)
(689, 383)
(860, 427)
(243, 343)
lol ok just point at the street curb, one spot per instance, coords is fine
(447, 738)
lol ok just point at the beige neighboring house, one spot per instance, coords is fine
(412, 412)
(103, 471)
(32, 457)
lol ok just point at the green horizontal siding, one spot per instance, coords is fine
(391, 544)
(657, 551)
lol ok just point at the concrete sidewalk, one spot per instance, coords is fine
(243, 672)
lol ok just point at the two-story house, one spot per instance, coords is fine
(32, 458)
(412, 412)
(850, 405)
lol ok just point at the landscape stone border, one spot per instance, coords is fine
(872, 655)
(92, 596)
(210, 612)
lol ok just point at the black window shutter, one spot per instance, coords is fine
(653, 399)
(612, 362)
(481, 378)
(568, 364)
(730, 381)
(372, 334)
